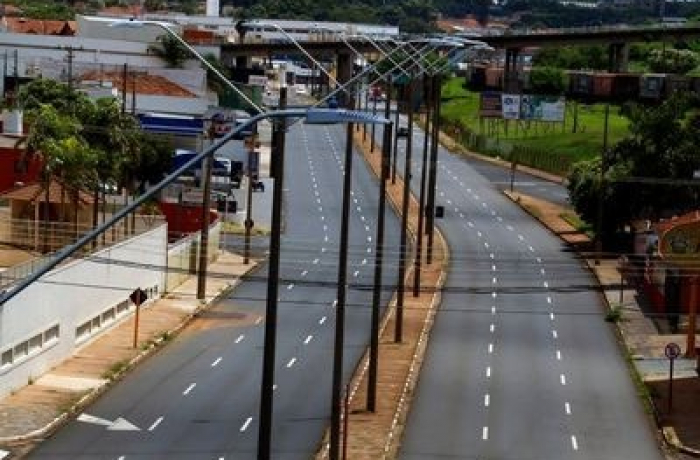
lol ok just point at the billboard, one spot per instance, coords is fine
(542, 108)
(522, 107)
(491, 105)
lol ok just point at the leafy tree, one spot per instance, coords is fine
(672, 61)
(547, 80)
(170, 50)
(647, 174)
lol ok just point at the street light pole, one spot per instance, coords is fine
(432, 176)
(268, 371)
(421, 197)
(336, 396)
(378, 261)
(403, 245)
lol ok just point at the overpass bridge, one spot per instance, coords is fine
(616, 38)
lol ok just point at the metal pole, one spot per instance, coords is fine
(268, 371)
(670, 385)
(432, 175)
(601, 192)
(364, 125)
(204, 239)
(399, 99)
(421, 197)
(137, 314)
(398, 331)
(336, 403)
(378, 261)
(249, 210)
(372, 141)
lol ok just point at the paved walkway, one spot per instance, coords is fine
(35, 410)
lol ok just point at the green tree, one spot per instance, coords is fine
(672, 61)
(648, 174)
(170, 50)
(547, 80)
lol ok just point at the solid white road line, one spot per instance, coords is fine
(216, 362)
(189, 388)
(155, 424)
(245, 425)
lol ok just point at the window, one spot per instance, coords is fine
(6, 358)
(96, 323)
(108, 316)
(123, 307)
(35, 343)
(51, 334)
(21, 350)
(83, 331)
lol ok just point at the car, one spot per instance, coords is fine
(402, 131)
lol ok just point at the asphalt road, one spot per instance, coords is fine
(520, 363)
(199, 397)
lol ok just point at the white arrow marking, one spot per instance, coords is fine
(121, 424)
(94, 420)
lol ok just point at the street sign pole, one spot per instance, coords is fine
(672, 351)
(137, 297)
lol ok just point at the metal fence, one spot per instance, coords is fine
(45, 238)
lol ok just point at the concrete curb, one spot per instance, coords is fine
(96, 392)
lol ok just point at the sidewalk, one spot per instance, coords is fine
(37, 409)
(643, 337)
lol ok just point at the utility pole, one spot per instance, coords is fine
(337, 388)
(204, 238)
(421, 197)
(432, 176)
(69, 58)
(268, 372)
(248, 224)
(403, 245)
(378, 262)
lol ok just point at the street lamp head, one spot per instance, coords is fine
(316, 116)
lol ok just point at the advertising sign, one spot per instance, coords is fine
(511, 106)
(491, 106)
(542, 108)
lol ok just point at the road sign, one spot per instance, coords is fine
(139, 296)
(672, 350)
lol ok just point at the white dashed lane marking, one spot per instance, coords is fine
(189, 389)
(216, 362)
(155, 424)
(246, 424)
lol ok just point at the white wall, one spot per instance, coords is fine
(73, 294)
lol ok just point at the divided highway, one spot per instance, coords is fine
(520, 363)
(199, 397)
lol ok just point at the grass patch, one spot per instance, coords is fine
(115, 369)
(461, 108)
(579, 224)
(614, 315)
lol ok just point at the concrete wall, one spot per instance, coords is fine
(45, 323)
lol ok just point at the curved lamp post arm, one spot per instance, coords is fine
(138, 23)
(301, 48)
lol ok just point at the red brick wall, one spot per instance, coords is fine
(10, 175)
